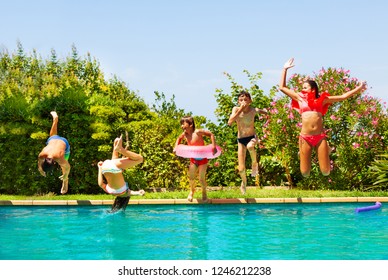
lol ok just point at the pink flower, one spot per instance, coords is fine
(279, 121)
(333, 117)
(217, 164)
(356, 145)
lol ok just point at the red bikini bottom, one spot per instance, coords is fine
(313, 140)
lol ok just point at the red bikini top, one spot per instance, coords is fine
(310, 103)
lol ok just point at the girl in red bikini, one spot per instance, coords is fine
(312, 106)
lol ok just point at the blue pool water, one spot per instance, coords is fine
(331, 231)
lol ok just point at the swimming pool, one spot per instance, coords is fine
(325, 231)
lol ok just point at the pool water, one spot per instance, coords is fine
(331, 231)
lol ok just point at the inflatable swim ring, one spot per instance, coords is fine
(197, 151)
(368, 208)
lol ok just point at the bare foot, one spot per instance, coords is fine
(54, 114)
(190, 197)
(118, 144)
(65, 188)
(255, 169)
(243, 188)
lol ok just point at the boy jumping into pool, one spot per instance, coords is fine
(244, 116)
(194, 137)
(57, 150)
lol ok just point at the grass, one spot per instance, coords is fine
(225, 193)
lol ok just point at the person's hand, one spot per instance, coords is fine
(64, 177)
(363, 85)
(42, 172)
(289, 63)
(141, 192)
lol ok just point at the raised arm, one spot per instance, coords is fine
(346, 95)
(282, 85)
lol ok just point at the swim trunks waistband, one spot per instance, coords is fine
(67, 149)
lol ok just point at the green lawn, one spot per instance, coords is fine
(226, 193)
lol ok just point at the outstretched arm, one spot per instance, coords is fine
(346, 95)
(282, 85)
(140, 192)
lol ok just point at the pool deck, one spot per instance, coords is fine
(195, 201)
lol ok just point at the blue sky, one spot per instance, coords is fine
(182, 48)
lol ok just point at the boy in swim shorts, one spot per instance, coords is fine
(194, 137)
(57, 150)
(244, 116)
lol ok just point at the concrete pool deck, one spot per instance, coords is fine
(195, 201)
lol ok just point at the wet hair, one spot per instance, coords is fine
(48, 165)
(189, 120)
(314, 86)
(119, 203)
(244, 93)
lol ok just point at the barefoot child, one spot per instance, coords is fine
(194, 137)
(244, 116)
(312, 106)
(110, 176)
(57, 150)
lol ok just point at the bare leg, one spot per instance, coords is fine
(305, 151)
(242, 150)
(192, 171)
(131, 159)
(54, 126)
(323, 151)
(115, 153)
(252, 152)
(202, 181)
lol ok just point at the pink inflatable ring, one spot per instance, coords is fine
(197, 151)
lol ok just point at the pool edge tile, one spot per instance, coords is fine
(228, 201)
(339, 199)
(372, 199)
(265, 200)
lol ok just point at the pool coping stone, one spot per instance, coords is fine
(195, 201)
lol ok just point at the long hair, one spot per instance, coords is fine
(189, 120)
(314, 86)
(119, 203)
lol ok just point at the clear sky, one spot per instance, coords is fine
(182, 47)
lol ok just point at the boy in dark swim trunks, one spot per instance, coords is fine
(244, 116)
(57, 150)
(194, 137)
